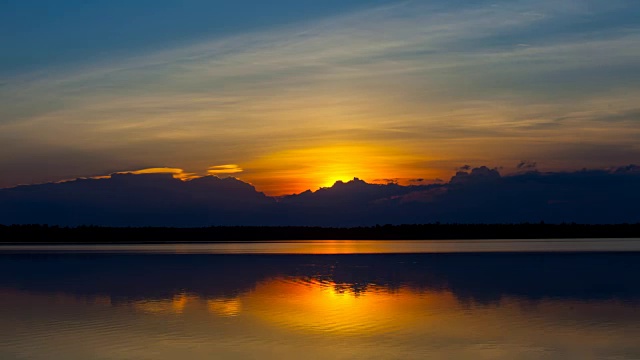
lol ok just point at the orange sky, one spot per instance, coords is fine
(401, 91)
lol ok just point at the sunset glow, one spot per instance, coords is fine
(328, 179)
(375, 90)
(297, 170)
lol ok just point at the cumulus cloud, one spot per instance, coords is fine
(481, 195)
(480, 174)
(426, 77)
(631, 168)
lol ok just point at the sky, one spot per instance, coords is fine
(294, 95)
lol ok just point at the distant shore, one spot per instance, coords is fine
(43, 234)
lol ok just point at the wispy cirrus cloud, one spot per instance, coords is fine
(489, 82)
(224, 169)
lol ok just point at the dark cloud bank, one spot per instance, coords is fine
(478, 195)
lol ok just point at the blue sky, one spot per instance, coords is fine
(41, 33)
(308, 92)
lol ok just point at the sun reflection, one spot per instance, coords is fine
(180, 302)
(224, 307)
(305, 317)
(338, 247)
(174, 305)
(342, 309)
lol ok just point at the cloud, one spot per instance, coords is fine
(482, 195)
(147, 197)
(477, 175)
(526, 165)
(434, 80)
(177, 173)
(387, 181)
(224, 169)
(632, 168)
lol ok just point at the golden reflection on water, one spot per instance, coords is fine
(175, 305)
(327, 307)
(337, 247)
(315, 306)
(225, 307)
(291, 317)
(178, 303)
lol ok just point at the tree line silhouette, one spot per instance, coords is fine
(95, 234)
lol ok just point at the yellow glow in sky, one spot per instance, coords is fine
(362, 93)
(293, 171)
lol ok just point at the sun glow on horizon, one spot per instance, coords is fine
(297, 170)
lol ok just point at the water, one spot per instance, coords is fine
(322, 300)
(348, 247)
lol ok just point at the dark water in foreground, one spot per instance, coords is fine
(144, 304)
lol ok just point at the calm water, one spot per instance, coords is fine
(323, 300)
(349, 247)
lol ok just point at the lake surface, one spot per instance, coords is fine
(577, 299)
(347, 247)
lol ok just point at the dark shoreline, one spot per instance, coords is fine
(43, 234)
